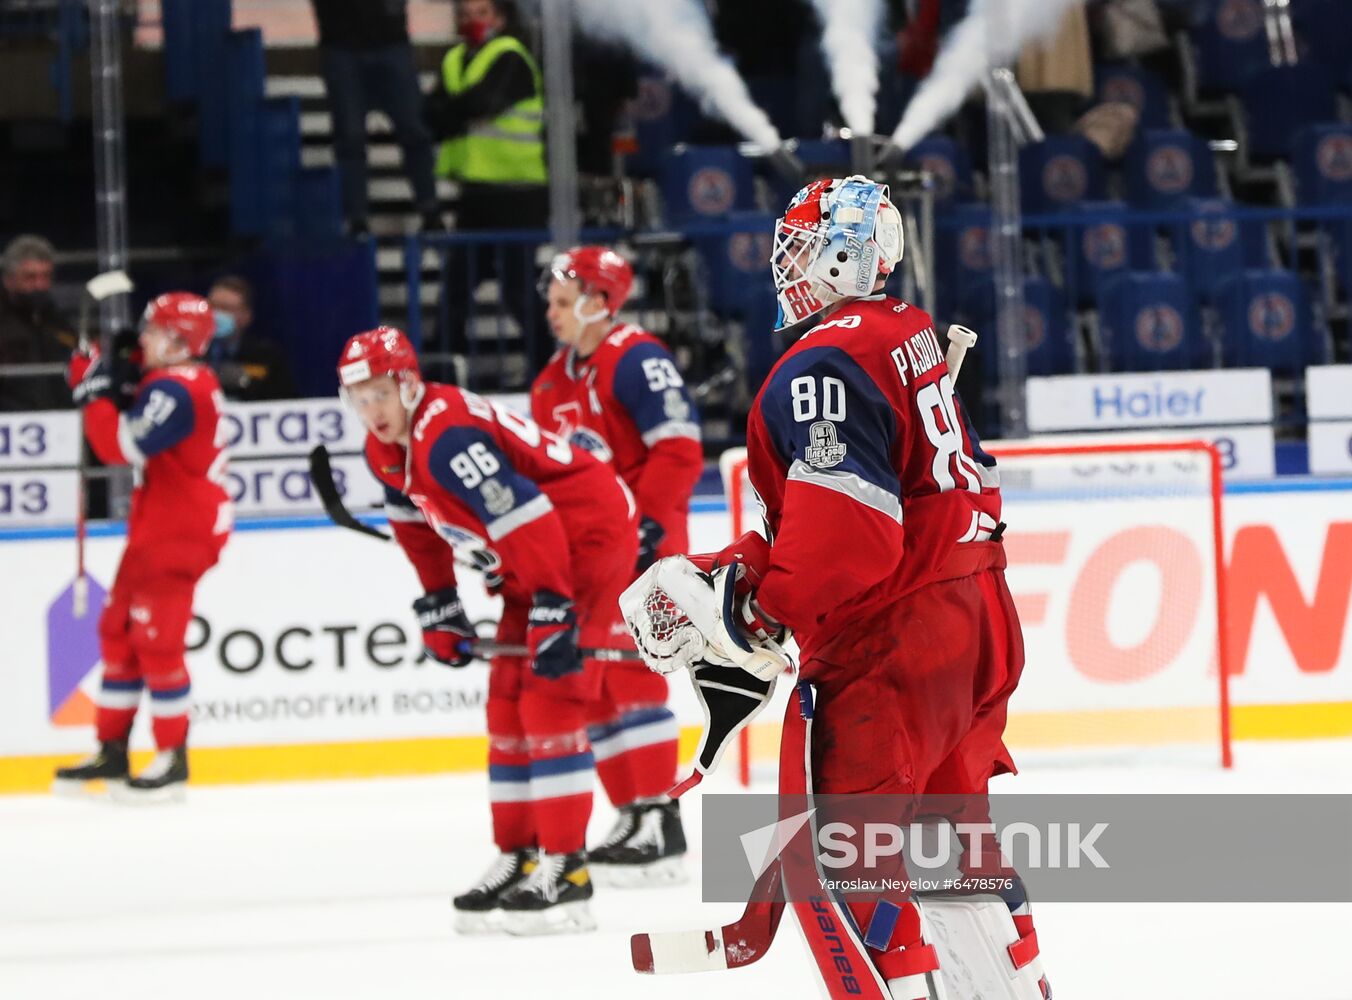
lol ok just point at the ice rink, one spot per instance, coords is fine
(341, 890)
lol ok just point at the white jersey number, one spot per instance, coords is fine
(803, 391)
(936, 403)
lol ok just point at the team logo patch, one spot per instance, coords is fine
(498, 499)
(674, 405)
(748, 252)
(825, 451)
(1169, 169)
(711, 191)
(588, 440)
(1124, 90)
(974, 248)
(1159, 328)
(1239, 20)
(1064, 179)
(945, 177)
(1105, 246)
(1034, 327)
(1216, 233)
(1333, 156)
(654, 99)
(1272, 316)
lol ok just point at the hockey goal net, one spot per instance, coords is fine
(1115, 564)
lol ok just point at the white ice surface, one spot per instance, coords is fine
(341, 890)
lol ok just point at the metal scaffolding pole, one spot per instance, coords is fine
(110, 165)
(1003, 127)
(565, 217)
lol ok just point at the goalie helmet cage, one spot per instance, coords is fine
(1116, 553)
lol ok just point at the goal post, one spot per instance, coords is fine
(1117, 568)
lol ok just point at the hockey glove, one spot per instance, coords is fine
(445, 628)
(551, 634)
(93, 377)
(650, 535)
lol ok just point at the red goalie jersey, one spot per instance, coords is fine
(628, 405)
(871, 477)
(488, 481)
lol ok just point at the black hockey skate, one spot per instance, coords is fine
(626, 821)
(165, 779)
(109, 765)
(652, 853)
(476, 911)
(552, 899)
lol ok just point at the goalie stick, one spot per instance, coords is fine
(484, 649)
(732, 946)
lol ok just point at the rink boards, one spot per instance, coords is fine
(305, 655)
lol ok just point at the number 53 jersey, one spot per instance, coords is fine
(872, 480)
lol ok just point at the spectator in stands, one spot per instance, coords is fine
(488, 110)
(1057, 74)
(368, 64)
(32, 330)
(249, 367)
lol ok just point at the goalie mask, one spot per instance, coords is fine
(836, 239)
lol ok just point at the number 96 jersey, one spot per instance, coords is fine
(872, 480)
(478, 472)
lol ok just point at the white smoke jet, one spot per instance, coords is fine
(849, 42)
(993, 33)
(676, 35)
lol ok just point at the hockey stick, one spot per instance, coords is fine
(321, 475)
(960, 341)
(484, 649)
(96, 289)
(732, 946)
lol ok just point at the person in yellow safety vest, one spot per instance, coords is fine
(488, 112)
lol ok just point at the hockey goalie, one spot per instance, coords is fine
(885, 563)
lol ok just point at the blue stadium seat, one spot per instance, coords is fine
(1215, 245)
(700, 183)
(1166, 166)
(1322, 160)
(962, 255)
(1267, 322)
(1105, 244)
(1231, 45)
(734, 263)
(950, 165)
(1149, 322)
(662, 117)
(1280, 101)
(1050, 349)
(1324, 28)
(1138, 87)
(1058, 172)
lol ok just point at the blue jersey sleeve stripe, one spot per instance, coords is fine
(495, 491)
(669, 405)
(162, 416)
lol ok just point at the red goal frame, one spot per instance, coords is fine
(733, 464)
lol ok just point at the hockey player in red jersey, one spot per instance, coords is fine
(555, 533)
(614, 389)
(165, 424)
(885, 564)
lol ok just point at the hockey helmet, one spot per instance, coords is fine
(836, 239)
(598, 270)
(187, 316)
(386, 350)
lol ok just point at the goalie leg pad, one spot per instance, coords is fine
(978, 944)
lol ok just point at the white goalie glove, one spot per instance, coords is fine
(681, 615)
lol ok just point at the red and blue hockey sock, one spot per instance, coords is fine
(169, 715)
(118, 699)
(509, 793)
(636, 753)
(561, 792)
